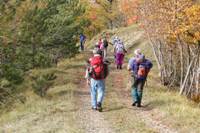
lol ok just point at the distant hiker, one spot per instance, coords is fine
(101, 46)
(82, 41)
(95, 75)
(100, 43)
(139, 68)
(105, 45)
(115, 40)
(119, 51)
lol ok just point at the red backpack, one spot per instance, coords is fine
(97, 67)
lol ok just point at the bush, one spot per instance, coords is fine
(43, 82)
(42, 60)
(12, 73)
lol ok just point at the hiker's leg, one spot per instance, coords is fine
(93, 93)
(81, 45)
(140, 90)
(134, 94)
(101, 91)
(134, 90)
(118, 59)
(121, 60)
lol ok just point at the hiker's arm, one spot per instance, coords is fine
(87, 77)
(125, 50)
(129, 68)
(114, 49)
(130, 64)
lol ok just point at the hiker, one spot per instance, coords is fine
(101, 46)
(82, 41)
(95, 75)
(139, 68)
(105, 45)
(119, 51)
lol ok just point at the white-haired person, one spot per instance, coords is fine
(139, 67)
(119, 51)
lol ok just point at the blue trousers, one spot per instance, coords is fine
(97, 91)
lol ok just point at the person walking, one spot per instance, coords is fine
(105, 45)
(82, 41)
(95, 75)
(139, 68)
(119, 51)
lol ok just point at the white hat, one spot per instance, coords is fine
(96, 43)
(137, 51)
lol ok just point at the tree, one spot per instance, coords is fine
(36, 33)
(173, 30)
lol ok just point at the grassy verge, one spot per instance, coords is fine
(56, 112)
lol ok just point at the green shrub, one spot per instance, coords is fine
(42, 60)
(12, 73)
(43, 82)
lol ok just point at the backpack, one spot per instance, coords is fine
(142, 71)
(98, 69)
(119, 48)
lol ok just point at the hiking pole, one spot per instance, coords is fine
(146, 83)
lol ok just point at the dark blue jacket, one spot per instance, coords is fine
(82, 38)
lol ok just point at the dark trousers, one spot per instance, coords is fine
(137, 89)
(82, 45)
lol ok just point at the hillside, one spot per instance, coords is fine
(66, 106)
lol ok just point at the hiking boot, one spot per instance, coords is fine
(135, 103)
(99, 108)
(139, 105)
(94, 108)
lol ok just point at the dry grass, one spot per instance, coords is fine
(54, 113)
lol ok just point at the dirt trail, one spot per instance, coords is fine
(91, 121)
(94, 122)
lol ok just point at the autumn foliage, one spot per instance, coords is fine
(173, 29)
(129, 8)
